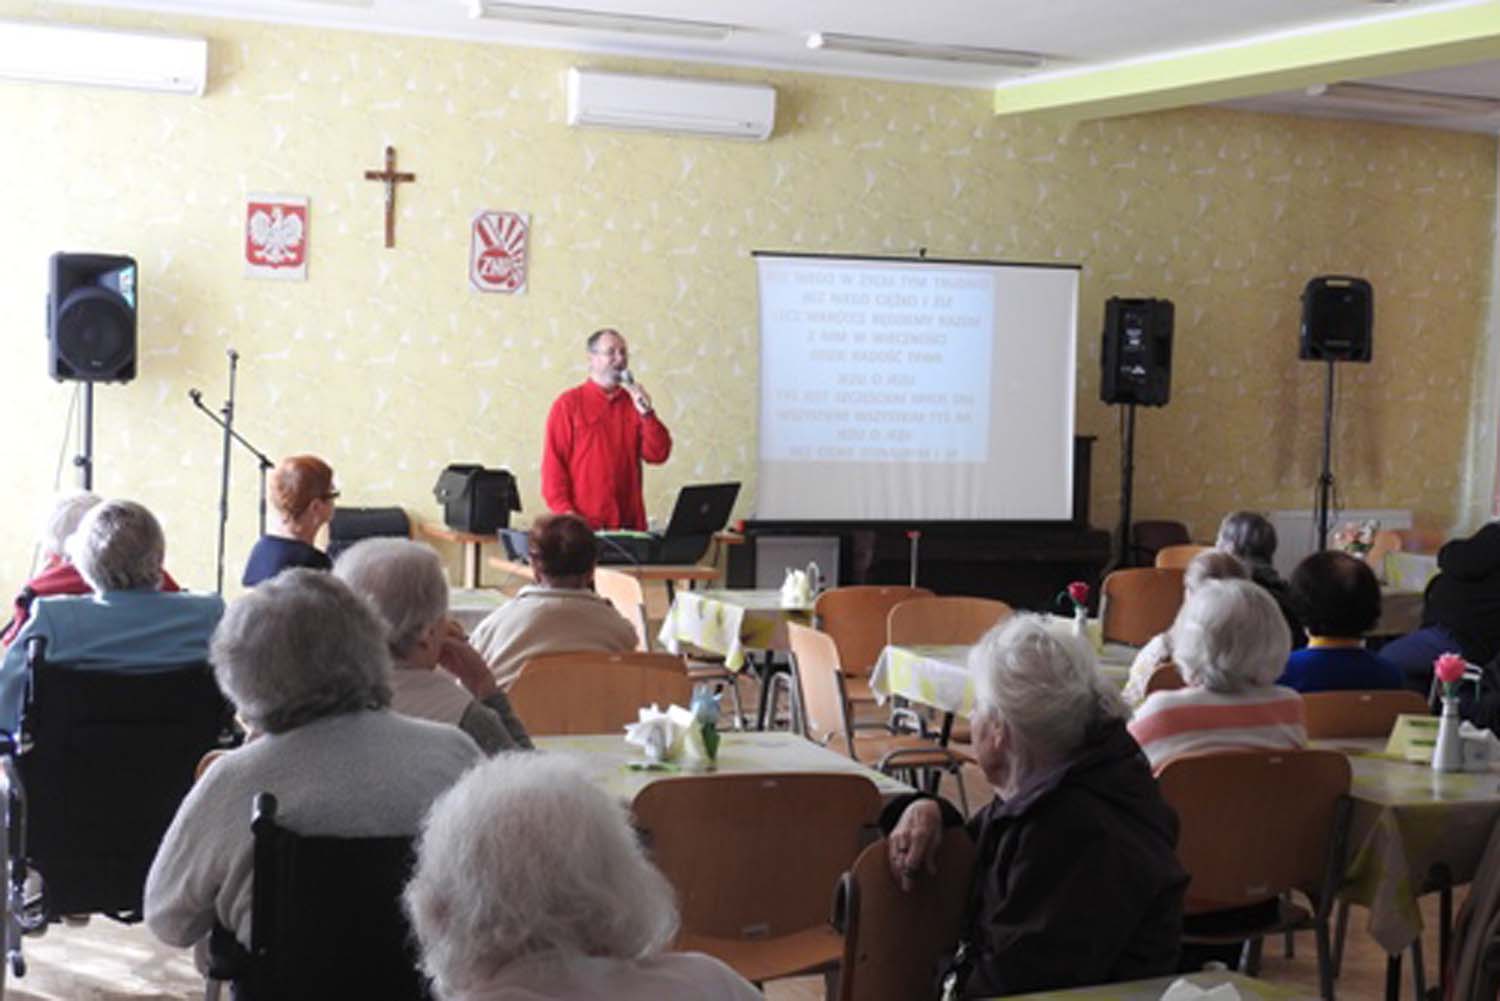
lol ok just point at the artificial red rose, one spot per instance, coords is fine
(1449, 668)
(1079, 592)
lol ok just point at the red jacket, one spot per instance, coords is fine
(57, 578)
(591, 459)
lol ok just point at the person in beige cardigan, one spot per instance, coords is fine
(560, 613)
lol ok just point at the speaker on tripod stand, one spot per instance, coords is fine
(1338, 323)
(1136, 369)
(91, 328)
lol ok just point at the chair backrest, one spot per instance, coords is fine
(1358, 713)
(1178, 556)
(350, 524)
(596, 692)
(1255, 824)
(1146, 537)
(721, 841)
(894, 939)
(1139, 603)
(624, 591)
(856, 619)
(825, 709)
(1166, 678)
(946, 620)
(326, 918)
(111, 755)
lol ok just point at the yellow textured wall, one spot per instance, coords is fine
(387, 364)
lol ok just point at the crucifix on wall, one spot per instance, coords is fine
(391, 178)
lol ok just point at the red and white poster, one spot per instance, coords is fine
(497, 251)
(276, 237)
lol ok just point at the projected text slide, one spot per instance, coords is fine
(876, 364)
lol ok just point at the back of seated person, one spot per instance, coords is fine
(1338, 600)
(438, 675)
(1230, 645)
(58, 575)
(304, 660)
(560, 613)
(127, 623)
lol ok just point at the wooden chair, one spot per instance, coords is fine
(1256, 825)
(825, 711)
(1331, 715)
(943, 620)
(856, 619)
(624, 591)
(596, 692)
(1166, 678)
(1139, 603)
(765, 913)
(894, 939)
(1179, 556)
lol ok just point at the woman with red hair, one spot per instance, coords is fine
(302, 496)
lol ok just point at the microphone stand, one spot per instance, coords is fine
(225, 420)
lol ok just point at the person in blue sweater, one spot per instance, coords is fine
(1338, 600)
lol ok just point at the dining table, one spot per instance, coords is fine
(1152, 989)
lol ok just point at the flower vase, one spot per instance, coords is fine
(1081, 622)
(1448, 754)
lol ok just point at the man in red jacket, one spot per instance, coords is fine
(597, 435)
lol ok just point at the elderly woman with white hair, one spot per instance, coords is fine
(531, 884)
(404, 581)
(1213, 564)
(1076, 881)
(1229, 644)
(304, 660)
(58, 575)
(128, 624)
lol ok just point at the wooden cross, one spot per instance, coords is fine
(391, 178)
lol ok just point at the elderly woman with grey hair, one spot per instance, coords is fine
(404, 581)
(128, 624)
(1229, 646)
(530, 883)
(58, 575)
(1252, 538)
(304, 660)
(1077, 880)
(1213, 564)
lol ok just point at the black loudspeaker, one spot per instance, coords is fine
(91, 312)
(1137, 355)
(1338, 319)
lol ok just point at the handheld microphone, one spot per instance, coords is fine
(626, 378)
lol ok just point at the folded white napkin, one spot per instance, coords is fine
(666, 735)
(1185, 990)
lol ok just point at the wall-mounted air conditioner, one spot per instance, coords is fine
(670, 104)
(62, 53)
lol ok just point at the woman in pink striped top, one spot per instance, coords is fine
(1230, 643)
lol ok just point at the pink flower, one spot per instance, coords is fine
(1449, 667)
(1079, 592)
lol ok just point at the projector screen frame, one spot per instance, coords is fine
(1078, 515)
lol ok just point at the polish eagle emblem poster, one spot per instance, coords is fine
(497, 251)
(276, 237)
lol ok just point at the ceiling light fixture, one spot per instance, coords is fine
(1431, 102)
(1010, 58)
(596, 20)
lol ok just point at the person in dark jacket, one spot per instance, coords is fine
(1077, 880)
(302, 495)
(1460, 612)
(1253, 539)
(1338, 599)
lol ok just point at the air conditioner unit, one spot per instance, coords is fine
(60, 53)
(670, 104)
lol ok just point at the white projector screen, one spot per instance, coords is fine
(915, 389)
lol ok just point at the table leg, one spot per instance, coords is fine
(473, 561)
(947, 731)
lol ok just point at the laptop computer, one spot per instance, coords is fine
(701, 510)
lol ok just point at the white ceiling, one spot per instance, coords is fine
(1074, 34)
